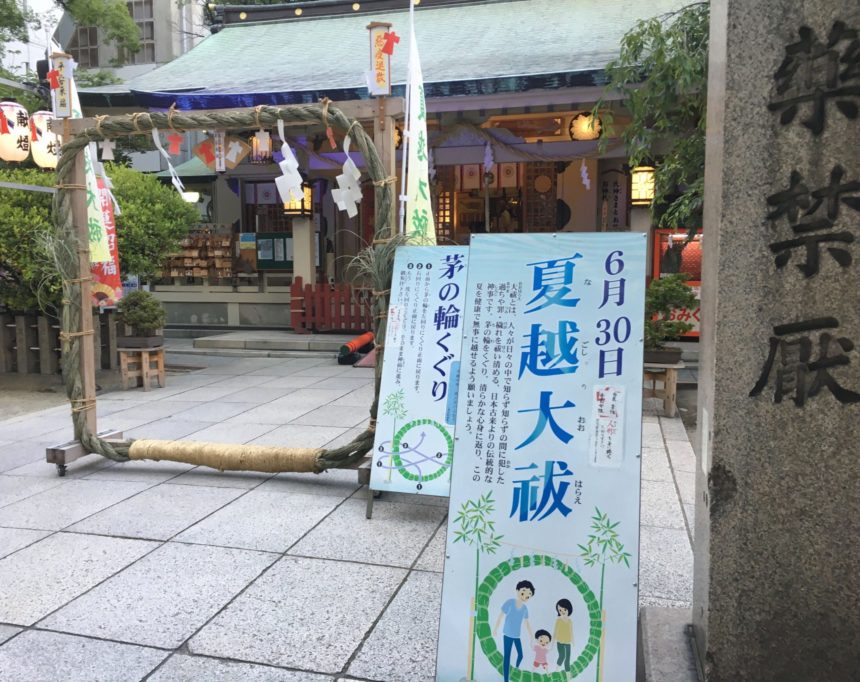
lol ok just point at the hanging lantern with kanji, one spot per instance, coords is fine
(43, 141)
(14, 132)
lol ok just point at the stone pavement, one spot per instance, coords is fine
(164, 571)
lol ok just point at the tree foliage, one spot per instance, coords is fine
(111, 16)
(27, 278)
(154, 219)
(662, 73)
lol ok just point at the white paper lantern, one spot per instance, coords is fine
(14, 132)
(44, 142)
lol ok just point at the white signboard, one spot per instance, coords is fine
(414, 445)
(543, 533)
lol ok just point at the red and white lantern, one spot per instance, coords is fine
(44, 143)
(14, 132)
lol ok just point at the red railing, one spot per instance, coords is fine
(329, 308)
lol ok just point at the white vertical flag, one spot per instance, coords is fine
(419, 223)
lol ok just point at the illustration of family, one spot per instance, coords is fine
(515, 614)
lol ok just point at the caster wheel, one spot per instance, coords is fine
(61, 470)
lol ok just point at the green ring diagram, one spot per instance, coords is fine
(398, 438)
(485, 633)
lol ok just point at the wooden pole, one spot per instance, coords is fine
(384, 137)
(87, 350)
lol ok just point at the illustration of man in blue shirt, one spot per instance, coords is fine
(515, 613)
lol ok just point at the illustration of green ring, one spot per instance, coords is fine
(485, 633)
(398, 437)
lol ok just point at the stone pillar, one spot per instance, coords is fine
(778, 490)
(304, 250)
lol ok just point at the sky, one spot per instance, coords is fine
(20, 54)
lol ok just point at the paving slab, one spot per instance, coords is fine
(38, 656)
(681, 455)
(158, 513)
(245, 480)
(655, 465)
(350, 383)
(433, 557)
(213, 412)
(80, 468)
(267, 521)
(14, 455)
(13, 539)
(326, 370)
(229, 432)
(412, 621)
(42, 577)
(181, 668)
(686, 482)
(673, 429)
(666, 565)
(335, 482)
(142, 471)
(291, 381)
(665, 650)
(242, 381)
(660, 506)
(7, 631)
(329, 415)
(315, 628)
(394, 537)
(65, 504)
(256, 394)
(363, 397)
(204, 394)
(13, 489)
(347, 436)
(167, 429)
(184, 586)
(300, 436)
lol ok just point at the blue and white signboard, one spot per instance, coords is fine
(542, 557)
(414, 445)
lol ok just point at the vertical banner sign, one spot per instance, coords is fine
(379, 78)
(219, 149)
(414, 445)
(107, 284)
(99, 249)
(60, 81)
(543, 533)
(420, 226)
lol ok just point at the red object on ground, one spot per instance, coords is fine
(357, 343)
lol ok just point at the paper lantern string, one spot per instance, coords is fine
(174, 141)
(391, 39)
(174, 177)
(289, 184)
(53, 77)
(348, 193)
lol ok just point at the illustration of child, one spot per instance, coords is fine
(542, 640)
(563, 632)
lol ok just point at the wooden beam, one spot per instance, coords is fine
(64, 454)
(385, 141)
(87, 351)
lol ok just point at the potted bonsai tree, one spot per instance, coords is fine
(664, 295)
(142, 312)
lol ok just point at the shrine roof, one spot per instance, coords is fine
(508, 46)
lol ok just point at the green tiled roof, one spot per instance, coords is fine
(501, 40)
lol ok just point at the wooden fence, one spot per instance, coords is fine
(30, 344)
(329, 308)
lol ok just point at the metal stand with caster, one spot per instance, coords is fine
(61, 470)
(65, 454)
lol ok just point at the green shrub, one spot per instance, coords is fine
(662, 296)
(142, 311)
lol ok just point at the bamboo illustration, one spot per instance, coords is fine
(603, 547)
(478, 531)
(394, 407)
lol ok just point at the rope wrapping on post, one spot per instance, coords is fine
(65, 245)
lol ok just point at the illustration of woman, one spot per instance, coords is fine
(563, 632)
